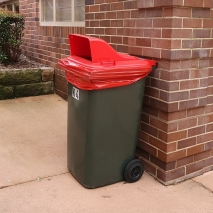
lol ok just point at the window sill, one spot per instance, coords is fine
(63, 24)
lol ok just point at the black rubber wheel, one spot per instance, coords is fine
(133, 171)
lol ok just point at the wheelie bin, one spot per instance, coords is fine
(105, 93)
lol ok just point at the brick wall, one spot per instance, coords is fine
(176, 133)
(46, 44)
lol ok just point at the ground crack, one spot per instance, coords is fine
(208, 189)
(3, 187)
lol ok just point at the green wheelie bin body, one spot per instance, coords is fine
(102, 132)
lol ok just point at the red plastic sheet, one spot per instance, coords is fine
(86, 75)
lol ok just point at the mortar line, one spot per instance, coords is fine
(205, 187)
(3, 187)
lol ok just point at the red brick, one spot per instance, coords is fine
(161, 43)
(147, 148)
(191, 43)
(162, 165)
(189, 84)
(141, 153)
(171, 175)
(168, 86)
(144, 23)
(201, 53)
(207, 23)
(174, 75)
(100, 15)
(146, 42)
(123, 14)
(130, 5)
(138, 13)
(94, 23)
(151, 92)
(167, 22)
(143, 136)
(195, 111)
(185, 161)
(195, 149)
(196, 131)
(199, 165)
(178, 12)
(110, 31)
(161, 145)
(204, 83)
(209, 109)
(172, 156)
(198, 93)
(155, 12)
(188, 104)
(135, 51)
(99, 31)
(201, 73)
(172, 115)
(186, 64)
(209, 145)
(201, 156)
(168, 107)
(117, 6)
(150, 110)
(194, 167)
(170, 137)
(187, 123)
(150, 52)
(94, 8)
(149, 168)
(145, 4)
(197, 3)
(205, 119)
(105, 7)
(163, 125)
(111, 15)
(145, 118)
(200, 13)
(209, 127)
(149, 129)
(201, 33)
(204, 137)
(176, 54)
(116, 23)
(192, 23)
(174, 96)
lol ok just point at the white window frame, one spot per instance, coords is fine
(59, 23)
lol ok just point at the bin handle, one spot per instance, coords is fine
(108, 63)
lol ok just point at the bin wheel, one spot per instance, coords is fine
(133, 171)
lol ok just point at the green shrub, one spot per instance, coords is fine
(11, 33)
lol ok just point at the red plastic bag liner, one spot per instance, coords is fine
(95, 65)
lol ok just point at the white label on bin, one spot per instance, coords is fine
(75, 93)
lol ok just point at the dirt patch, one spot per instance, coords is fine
(23, 62)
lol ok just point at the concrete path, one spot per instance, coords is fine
(34, 176)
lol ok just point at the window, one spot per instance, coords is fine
(11, 6)
(62, 12)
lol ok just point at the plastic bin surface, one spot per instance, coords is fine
(95, 65)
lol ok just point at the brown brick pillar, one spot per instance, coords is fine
(176, 133)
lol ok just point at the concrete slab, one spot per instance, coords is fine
(206, 180)
(63, 193)
(33, 134)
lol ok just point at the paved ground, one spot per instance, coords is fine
(34, 177)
